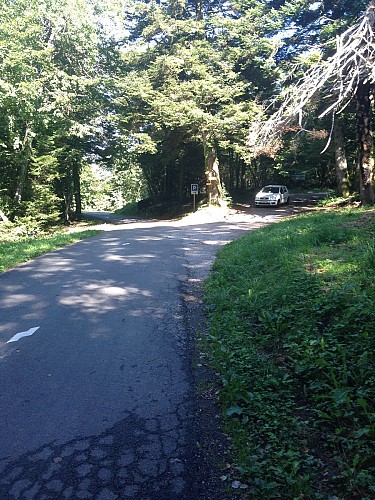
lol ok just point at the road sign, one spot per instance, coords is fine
(194, 189)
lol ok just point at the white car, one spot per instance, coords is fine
(273, 194)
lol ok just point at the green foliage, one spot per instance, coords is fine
(186, 81)
(338, 201)
(47, 101)
(292, 336)
(129, 183)
(143, 89)
(128, 209)
(23, 247)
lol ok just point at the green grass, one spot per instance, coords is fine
(334, 200)
(292, 335)
(130, 209)
(13, 253)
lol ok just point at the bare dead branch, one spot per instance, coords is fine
(339, 76)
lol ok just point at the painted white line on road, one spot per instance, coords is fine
(23, 334)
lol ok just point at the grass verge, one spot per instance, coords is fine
(292, 330)
(13, 253)
(131, 209)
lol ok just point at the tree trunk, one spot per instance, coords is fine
(68, 199)
(341, 162)
(232, 170)
(243, 175)
(22, 176)
(77, 189)
(24, 156)
(364, 132)
(3, 217)
(238, 172)
(199, 9)
(211, 164)
(181, 186)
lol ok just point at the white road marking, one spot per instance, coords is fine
(23, 334)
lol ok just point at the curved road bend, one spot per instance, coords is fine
(97, 397)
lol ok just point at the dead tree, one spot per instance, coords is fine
(348, 75)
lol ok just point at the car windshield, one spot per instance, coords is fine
(270, 189)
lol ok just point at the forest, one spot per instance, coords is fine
(104, 104)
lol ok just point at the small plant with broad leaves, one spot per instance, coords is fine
(292, 335)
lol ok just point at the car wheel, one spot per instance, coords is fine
(288, 200)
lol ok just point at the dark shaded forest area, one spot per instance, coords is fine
(105, 105)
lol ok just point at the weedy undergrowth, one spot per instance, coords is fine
(292, 330)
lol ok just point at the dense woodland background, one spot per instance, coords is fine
(102, 104)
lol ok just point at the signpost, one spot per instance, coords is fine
(194, 191)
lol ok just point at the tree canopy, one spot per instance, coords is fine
(166, 93)
(346, 75)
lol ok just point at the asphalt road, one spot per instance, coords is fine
(98, 399)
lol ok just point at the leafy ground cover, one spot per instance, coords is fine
(129, 209)
(16, 247)
(291, 336)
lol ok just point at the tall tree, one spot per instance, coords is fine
(348, 72)
(341, 160)
(48, 78)
(189, 64)
(24, 64)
